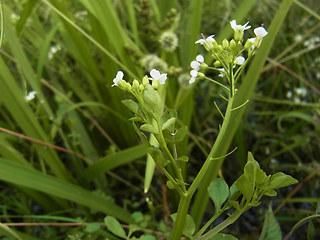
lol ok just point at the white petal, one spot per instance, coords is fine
(240, 60)
(195, 65)
(252, 40)
(200, 58)
(201, 41)
(119, 75)
(162, 78)
(210, 39)
(194, 73)
(260, 32)
(155, 74)
(233, 24)
(192, 80)
(246, 27)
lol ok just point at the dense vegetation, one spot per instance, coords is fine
(69, 156)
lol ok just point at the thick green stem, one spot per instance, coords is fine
(183, 208)
(213, 151)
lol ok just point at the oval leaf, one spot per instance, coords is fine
(169, 123)
(218, 192)
(114, 226)
(189, 225)
(149, 128)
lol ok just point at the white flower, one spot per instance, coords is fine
(195, 65)
(207, 40)
(155, 75)
(260, 32)
(222, 70)
(252, 40)
(118, 78)
(236, 27)
(301, 91)
(240, 60)
(194, 74)
(200, 58)
(30, 96)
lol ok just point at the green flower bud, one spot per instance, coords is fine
(135, 86)
(145, 80)
(201, 75)
(217, 63)
(124, 85)
(155, 84)
(225, 44)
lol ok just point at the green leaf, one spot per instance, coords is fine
(311, 231)
(222, 236)
(137, 216)
(189, 226)
(115, 160)
(169, 123)
(152, 101)
(218, 192)
(180, 134)
(149, 128)
(183, 159)
(261, 177)
(136, 119)
(271, 229)
(246, 182)
(279, 180)
(114, 226)
(170, 185)
(147, 237)
(132, 105)
(92, 227)
(24, 176)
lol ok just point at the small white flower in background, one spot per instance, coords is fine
(318, 75)
(207, 40)
(298, 38)
(260, 32)
(194, 74)
(155, 75)
(240, 60)
(31, 95)
(53, 50)
(289, 94)
(301, 91)
(236, 27)
(118, 78)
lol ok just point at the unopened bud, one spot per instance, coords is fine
(135, 85)
(155, 84)
(217, 64)
(225, 44)
(145, 80)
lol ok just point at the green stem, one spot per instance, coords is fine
(208, 161)
(201, 231)
(225, 223)
(171, 158)
(183, 208)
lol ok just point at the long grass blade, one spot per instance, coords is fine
(20, 175)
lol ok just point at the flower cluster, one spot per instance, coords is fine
(156, 78)
(229, 54)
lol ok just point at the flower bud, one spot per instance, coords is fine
(225, 44)
(145, 80)
(155, 84)
(217, 64)
(135, 86)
